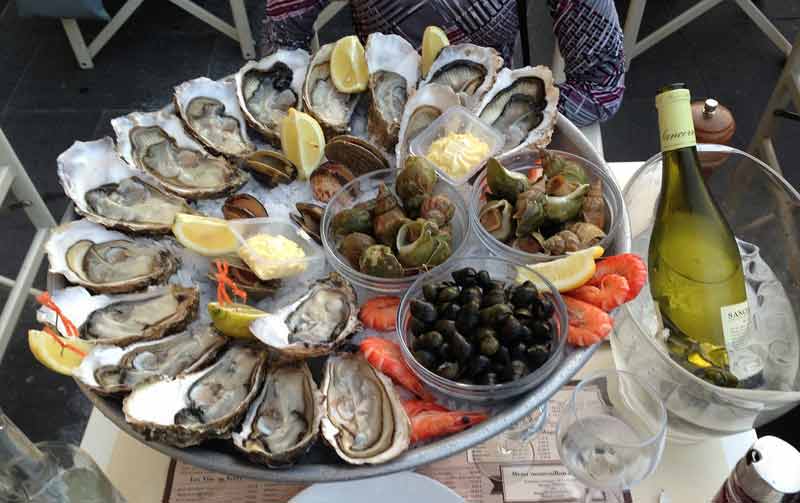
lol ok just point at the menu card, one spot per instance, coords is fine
(532, 473)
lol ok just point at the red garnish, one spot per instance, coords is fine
(380, 313)
(47, 301)
(49, 331)
(224, 280)
(534, 174)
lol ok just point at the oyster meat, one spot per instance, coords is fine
(210, 110)
(107, 191)
(333, 110)
(467, 69)
(283, 421)
(123, 319)
(424, 107)
(313, 325)
(393, 66)
(105, 261)
(522, 105)
(157, 144)
(193, 407)
(363, 419)
(269, 87)
(113, 369)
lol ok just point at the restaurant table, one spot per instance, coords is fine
(686, 472)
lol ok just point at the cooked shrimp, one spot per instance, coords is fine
(428, 425)
(414, 407)
(611, 292)
(587, 324)
(629, 265)
(386, 356)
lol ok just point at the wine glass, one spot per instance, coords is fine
(612, 430)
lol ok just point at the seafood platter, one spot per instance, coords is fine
(337, 265)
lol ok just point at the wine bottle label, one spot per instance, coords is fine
(735, 320)
(675, 120)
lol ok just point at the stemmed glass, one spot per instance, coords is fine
(611, 432)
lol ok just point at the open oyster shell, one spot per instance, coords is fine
(469, 70)
(522, 104)
(283, 421)
(104, 261)
(108, 191)
(363, 418)
(267, 88)
(123, 319)
(424, 107)
(393, 66)
(113, 369)
(157, 143)
(210, 110)
(209, 403)
(313, 325)
(335, 111)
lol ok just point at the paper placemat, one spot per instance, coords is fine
(479, 475)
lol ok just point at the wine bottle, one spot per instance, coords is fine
(696, 276)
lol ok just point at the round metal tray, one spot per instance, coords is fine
(321, 464)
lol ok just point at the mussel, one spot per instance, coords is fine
(359, 156)
(243, 206)
(309, 218)
(270, 167)
(327, 179)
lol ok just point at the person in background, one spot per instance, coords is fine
(588, 33)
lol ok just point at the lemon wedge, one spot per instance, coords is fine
(566, 273)
(349, 71)
(302, 141)
(53, 355)
(204, 235)
(233, 320)
(433, 40)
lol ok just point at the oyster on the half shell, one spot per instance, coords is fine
(108, 191)
(334, 110)
(313, 325)
(269, 87)
(363, 419)
(425, 106)
(114, 369)
(283, 421)
(210, 110)
(208, 403)
(467, 69)
(123, 319)
(393, 66)
(104, 261)
(157, 144)
(522, 105)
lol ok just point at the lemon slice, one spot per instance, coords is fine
(302, 141)
(433, 40)
(204, 235)
(566, 273)
(349, 71)
(234, 320)
(52, 355)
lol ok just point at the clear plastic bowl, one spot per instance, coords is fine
(311, 263)
(364, 188)
(523, 161)
(457, 120)
(502, 270)
(761, 208)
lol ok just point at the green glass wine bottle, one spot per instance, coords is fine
(696, 276)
